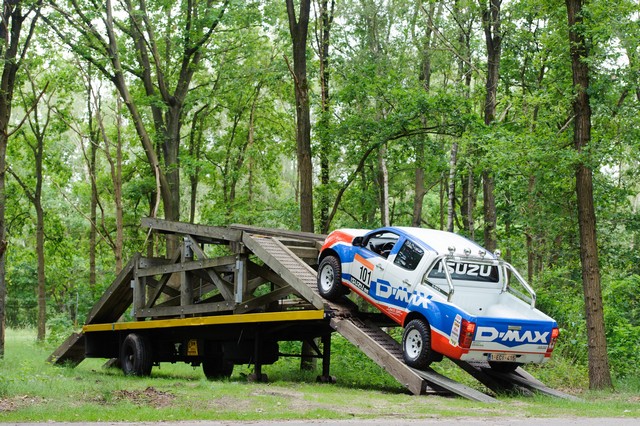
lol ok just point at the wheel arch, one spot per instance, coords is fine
(328, 252)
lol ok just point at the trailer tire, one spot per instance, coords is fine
(135, 355)
(217, 368)
(330, 279)
(416, 344)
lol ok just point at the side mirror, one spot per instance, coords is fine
(357, 241)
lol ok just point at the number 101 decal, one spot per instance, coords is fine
(361, 273)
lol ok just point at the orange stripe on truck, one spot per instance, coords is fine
(364, 261)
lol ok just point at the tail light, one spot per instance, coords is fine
(552, 343)
(467, 329)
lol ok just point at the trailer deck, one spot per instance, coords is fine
(232, 293)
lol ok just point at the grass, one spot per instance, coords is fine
(31, 390)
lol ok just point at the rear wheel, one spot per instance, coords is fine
(135, 355)
(217, 368)
(416, 344)
(329, 278)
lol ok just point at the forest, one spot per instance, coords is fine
(515, 123)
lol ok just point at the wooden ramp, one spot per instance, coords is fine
(111, 306)
(70, 352)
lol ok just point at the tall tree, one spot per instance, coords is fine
(13, 48)
(323, 34)
(599, 374)
(168, 52)
(491, 23)
(298, 28)
(39, 121)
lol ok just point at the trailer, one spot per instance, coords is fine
(228, 296)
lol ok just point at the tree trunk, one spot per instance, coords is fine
(10, 40)
(453, 161)
(117, 192)
(599, 374)
(3, 243)
(298, 30)
(419, 189)
(93, 216)
(493, 37)
(326, 19)
(383, 185)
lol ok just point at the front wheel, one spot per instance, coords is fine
(135, 355)
(329, 278)
(416, 344)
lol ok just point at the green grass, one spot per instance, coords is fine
(31, 390)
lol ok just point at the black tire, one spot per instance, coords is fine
(416, 344)
(504, 367)
(217, 368)
(135, 355)
(330, 278)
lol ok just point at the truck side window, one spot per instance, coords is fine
(381, 243)
(409, 255)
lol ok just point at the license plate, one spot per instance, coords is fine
(502, 357)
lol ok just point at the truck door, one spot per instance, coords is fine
(400, 275)
(371, 260)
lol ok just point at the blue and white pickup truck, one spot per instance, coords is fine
(452, 297)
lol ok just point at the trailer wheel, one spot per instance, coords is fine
(329, 278)
(416, 344)
(217, 368)
(135, 355)
(504, 367)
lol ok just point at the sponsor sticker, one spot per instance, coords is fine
(455, 330)
(491, 334)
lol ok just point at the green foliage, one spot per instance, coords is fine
(237, 132)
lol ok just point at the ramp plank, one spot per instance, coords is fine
(118, 297)
(71, 351)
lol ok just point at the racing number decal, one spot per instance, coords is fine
(361, 276)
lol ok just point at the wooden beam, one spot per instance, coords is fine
(272, 232)
(178, 311)
(220, 234)
(162, 284)
(223, 286)
(263, 300)
(117, 298)
(186, 266)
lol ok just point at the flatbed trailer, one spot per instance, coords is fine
(227, 296)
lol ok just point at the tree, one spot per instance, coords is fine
(39, 122)
(13, 48)
(165, 73)
(599, 374)
(298, 28)
(491, 23)
(323, 34)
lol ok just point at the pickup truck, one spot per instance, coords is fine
(451, 296)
